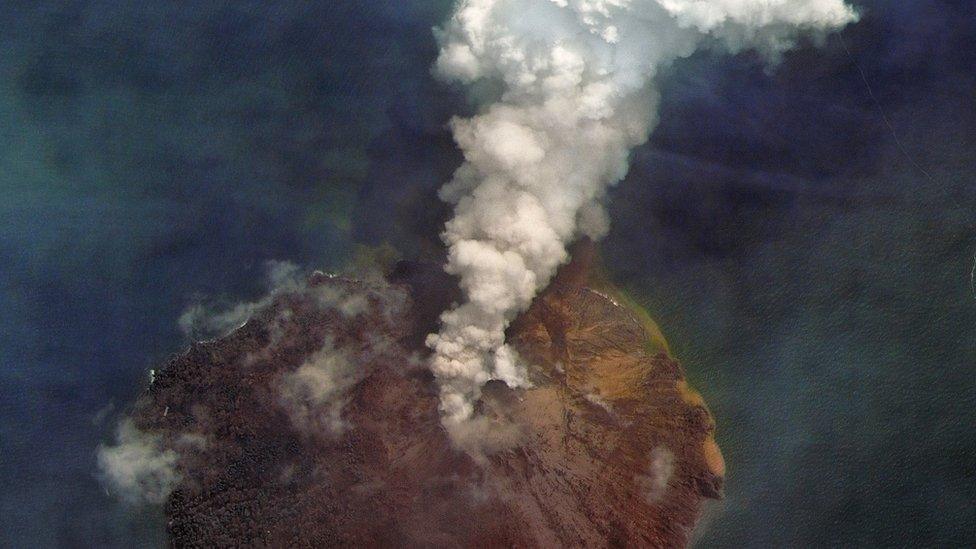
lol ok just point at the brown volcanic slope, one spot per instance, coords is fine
(609, 448)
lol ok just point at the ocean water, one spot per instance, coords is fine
(805, 237)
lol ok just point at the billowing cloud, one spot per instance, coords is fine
(571, 87)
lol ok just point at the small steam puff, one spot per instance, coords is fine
(576, 94)
(139, 469)
(201, 321)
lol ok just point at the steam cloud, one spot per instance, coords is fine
(139, 468)
(205, 321)
(567, 89)
(312, 393)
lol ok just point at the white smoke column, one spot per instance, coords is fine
(571, 92)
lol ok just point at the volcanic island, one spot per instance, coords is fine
(316, 423)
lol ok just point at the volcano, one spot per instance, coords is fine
(316, 424)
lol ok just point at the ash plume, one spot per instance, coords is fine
(567, 89)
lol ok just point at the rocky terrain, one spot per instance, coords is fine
(316, 424)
